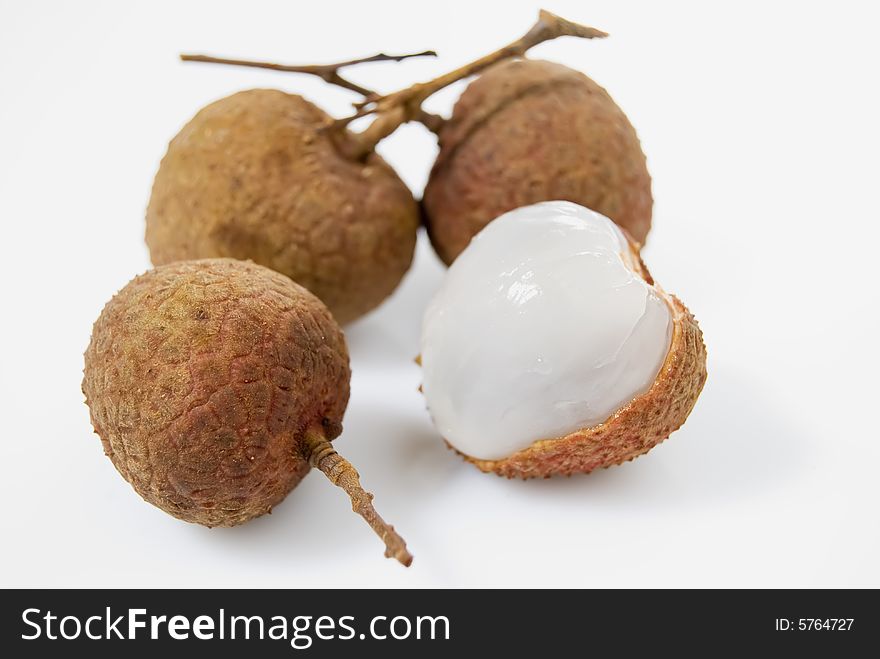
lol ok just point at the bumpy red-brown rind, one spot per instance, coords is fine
(256, 176)
(527, 131)
(633, 430)
(201, 378)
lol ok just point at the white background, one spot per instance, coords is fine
(760, 121)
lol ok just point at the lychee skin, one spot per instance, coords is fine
(527, 131)
(257, 176)
(634, 429)
(201, 378)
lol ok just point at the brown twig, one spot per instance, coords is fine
(327, 72)
(394, 109)
(340, 471)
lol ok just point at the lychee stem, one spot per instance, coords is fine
(342, 473)
(399, 107)
(327, 72)
(330, 74)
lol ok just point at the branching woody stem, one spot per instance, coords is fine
(392, 110)
(327, 72)
(405, 105)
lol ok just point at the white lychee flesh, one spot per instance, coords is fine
(542, 326)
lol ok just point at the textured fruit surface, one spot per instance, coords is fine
(527, 131)
(202, 378)
(255, 176)
(631, 431)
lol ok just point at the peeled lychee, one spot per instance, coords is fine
(260, 175)
(215, 385)
(550, 350)
(527, 131)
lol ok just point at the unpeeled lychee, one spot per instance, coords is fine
(215, 385)
(526, 131)
(259, 175)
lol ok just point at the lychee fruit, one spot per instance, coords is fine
(262, 175)
(550, 350)
(215, 385)
(526, 131)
